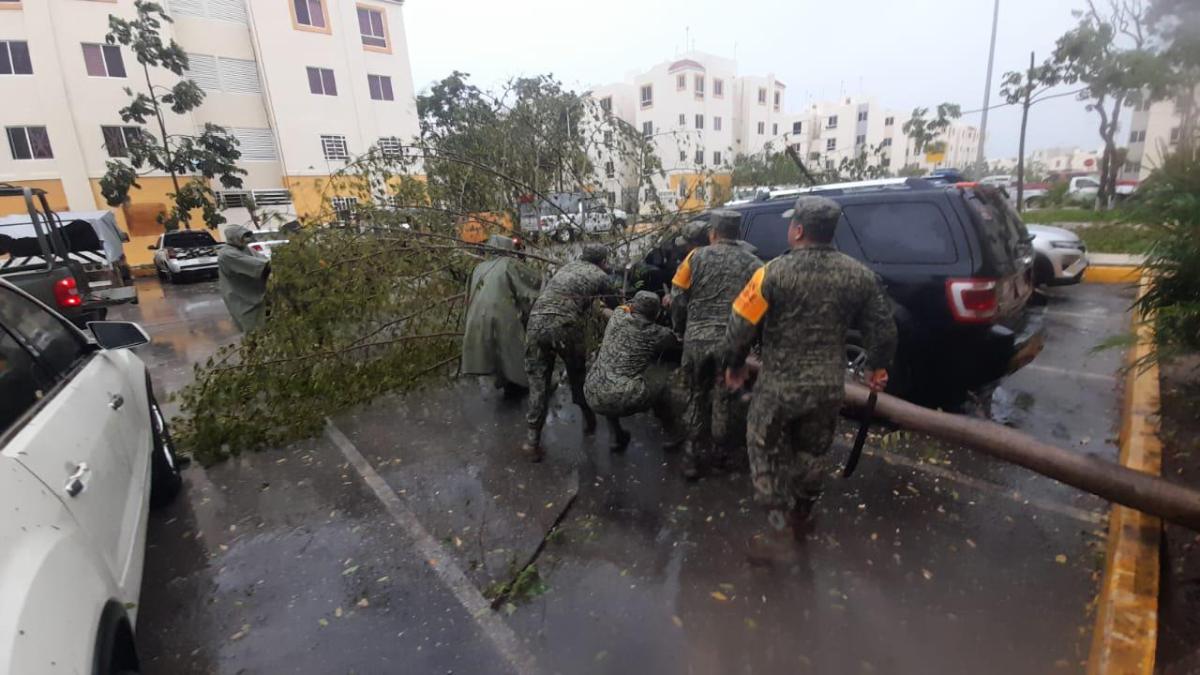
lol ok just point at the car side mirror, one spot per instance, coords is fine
(124, 236)
(118, 334)
(152, 247)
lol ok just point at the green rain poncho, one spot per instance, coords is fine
(500, 295)
(242, 279)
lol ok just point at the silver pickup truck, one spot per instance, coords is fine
(72, 265)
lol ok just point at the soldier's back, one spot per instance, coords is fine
(719, 272)
(571, 290)
(814, 295)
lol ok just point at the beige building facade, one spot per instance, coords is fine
(304, 85)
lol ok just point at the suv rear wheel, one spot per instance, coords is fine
(165, 479)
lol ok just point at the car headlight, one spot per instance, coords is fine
(1067, 244)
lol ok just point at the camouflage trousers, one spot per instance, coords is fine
(543, 346)
(708, 412)
(787, 441)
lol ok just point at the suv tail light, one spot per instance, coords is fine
(66, 293)
(256, 247)
(972, 300)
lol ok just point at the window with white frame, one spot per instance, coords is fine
(372, 28)
(862, 116)
(683, 155)
(682, 120)
(797, 127)
(778, 99)
(321, 81)
(647, 128)
(829, 164)
(889, 121)
(609, 169)
(606, 104)
(681, 81)
(717, 123)
(699, 121)
(762, 95)
(380, 87)
(390, 146)
(860, 139)
(831, 122)
(647, 94)
(885, 162)
(700, 156)
(699, 86)
(718, 87)
(774, 128)
(343, 207)
(830, 144)
(14, 58)
(334, 147)
(310, 13)
(1137, 136)
(103, 60)
(117, 139)
(717, 157)
(762, 128)
(885, 143)
(29, 143)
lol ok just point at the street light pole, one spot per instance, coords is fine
(987, 87)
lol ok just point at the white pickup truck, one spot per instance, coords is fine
(568, 215)
(1080, 190)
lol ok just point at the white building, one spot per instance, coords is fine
(303, 84)
(1154, 130)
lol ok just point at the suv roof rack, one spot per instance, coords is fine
(879, 184)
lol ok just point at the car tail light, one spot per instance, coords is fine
(66, 293)
(256, 247)
(171, 252)
(972, 300)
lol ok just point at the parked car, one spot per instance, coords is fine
(565, 216)
(262, 241)
(184, 253)
(1081, 190)
(1060, 256)
(77, 265)
(999, 181)
(956, 261)
(84, 452)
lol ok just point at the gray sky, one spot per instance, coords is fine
(903, 52)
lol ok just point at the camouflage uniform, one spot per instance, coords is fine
(802, 304)
(620, 382)
(703, 290)
(555, 330)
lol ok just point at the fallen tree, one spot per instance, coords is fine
(1144, 492)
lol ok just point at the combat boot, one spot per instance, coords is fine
(780, 543)
(532, 447)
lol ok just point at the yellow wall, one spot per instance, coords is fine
(145, 203)
(717, 190)
(55, 195)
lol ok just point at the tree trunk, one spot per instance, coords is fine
(1141, 491)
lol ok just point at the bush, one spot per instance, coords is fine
(1168, 202)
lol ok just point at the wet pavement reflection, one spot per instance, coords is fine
(930, 559)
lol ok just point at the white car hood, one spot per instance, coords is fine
(1052, 233)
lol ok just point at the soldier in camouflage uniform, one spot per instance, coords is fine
(703, 291)
(555, 330)
(801, 305)
(621, 381)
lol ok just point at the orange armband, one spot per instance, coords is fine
(750, 303)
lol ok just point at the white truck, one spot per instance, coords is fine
(1080, 190)
(564, 216)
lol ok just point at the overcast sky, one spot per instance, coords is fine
(904, 52)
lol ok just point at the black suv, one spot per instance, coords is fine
(956, 261)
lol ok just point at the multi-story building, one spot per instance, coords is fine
(1154, 132)
(304, 85)
(701, 115)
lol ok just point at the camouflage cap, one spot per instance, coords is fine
(645, 303)
(594, 253)
(694, 232)
(813, 208)
(721, 219)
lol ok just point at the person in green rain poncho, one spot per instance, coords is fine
(242, 279)
(500, 295)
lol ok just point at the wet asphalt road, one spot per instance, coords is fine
(930, 559)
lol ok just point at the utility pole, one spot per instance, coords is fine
(987, 87)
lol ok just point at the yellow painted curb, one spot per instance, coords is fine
(1126, 631)
(1111, 274)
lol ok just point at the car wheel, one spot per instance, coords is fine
(165, 480)
(1033, 203)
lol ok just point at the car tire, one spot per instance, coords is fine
(1033, 203)
(165, 478)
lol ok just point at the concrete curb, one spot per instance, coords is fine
(1126, 632)
(1111, 274)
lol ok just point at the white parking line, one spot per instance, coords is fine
(1077, 315)
(1067, 510)
(442, 563)
(1071, 373)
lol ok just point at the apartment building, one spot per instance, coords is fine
(304, 85)
(701, 115)
(1154, 132)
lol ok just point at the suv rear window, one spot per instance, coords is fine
(768, 232)
(188, 239)
(904, 232)
(1000, 229)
